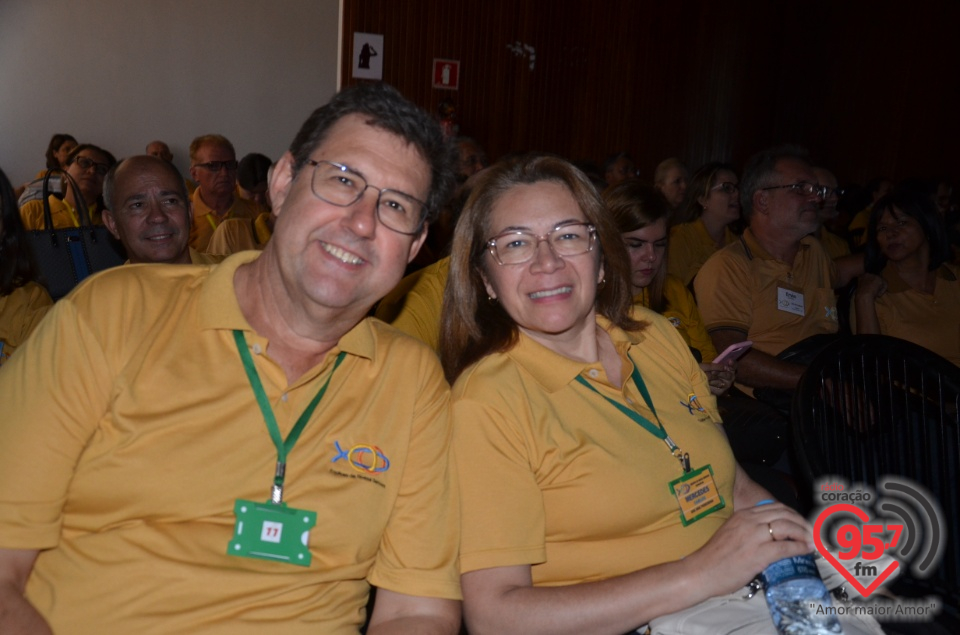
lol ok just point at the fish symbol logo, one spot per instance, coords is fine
(363, 457)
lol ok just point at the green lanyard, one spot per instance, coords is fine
(656, 430)
(283, 446)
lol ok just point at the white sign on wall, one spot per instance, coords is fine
(368, 55)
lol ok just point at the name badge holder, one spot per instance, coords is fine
(695, 490)
(273, 530)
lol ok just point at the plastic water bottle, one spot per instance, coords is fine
(798, 600)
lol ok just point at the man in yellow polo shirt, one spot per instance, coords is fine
(775, 284)
(147, 209)
(213, 165)
(236, 449)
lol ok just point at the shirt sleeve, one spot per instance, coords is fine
(54, 393)
(723, 289)
(503, 517)
(418, 551)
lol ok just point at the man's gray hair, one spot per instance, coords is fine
(760, 170)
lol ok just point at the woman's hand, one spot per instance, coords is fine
(720, 376)
(750, 540)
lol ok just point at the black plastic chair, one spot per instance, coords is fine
(871, 406)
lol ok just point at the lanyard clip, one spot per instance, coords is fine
(685, 462)
(276, 492)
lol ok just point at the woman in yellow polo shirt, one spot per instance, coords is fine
(23, 302)
(641, 216)
(597, 490)
(712, 210)
(911, 290)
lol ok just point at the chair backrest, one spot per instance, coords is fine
(871, 406)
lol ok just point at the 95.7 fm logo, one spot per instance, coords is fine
(870, 535)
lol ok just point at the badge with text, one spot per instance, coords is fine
(697, 495)
(790, 301)
(272, 532)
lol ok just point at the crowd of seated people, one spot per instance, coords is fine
(574, 324)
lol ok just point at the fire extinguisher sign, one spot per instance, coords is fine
(446, 74)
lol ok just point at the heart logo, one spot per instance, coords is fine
(855, 532)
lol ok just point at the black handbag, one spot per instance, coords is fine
(67, 256)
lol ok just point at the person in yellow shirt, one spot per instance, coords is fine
(562, 407)
(835, 246)
(236, 448)
(213, 165)
(23, 302)
(877, 188)
(712, 208)
(641, 216)
(147, 209)
(911, 290)
(87, 164)
(774, 285)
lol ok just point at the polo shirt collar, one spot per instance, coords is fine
(554, 371)
(896, 284)
(219, 308)
(755, 250)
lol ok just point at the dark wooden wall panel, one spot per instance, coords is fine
(870, 88)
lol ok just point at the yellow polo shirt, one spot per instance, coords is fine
(261, 228)
(931, 321)
(125, 475)
(205, 220)
(835, 246)
(232, 235)
(20, 312)
(681, 311)
(415, 304)
(554, 476)
(690, 246)
(62, 213)
(745, 288)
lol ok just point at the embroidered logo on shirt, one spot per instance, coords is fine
(831, 313)
(362, 457)
(675, 321)
(692, 403)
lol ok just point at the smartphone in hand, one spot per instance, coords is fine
(733, 352)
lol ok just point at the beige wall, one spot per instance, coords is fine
(119, 73)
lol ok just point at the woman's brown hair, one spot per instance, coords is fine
(634, 206)
(472, 326)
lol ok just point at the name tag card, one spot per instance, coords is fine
(790, 301)
(697, 495)
(272, 531)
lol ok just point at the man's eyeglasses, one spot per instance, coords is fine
(726, 188)
(86, 164)
(216, 166)
(518, 247)
(339, 185)
(803, 188)
(834, 191)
